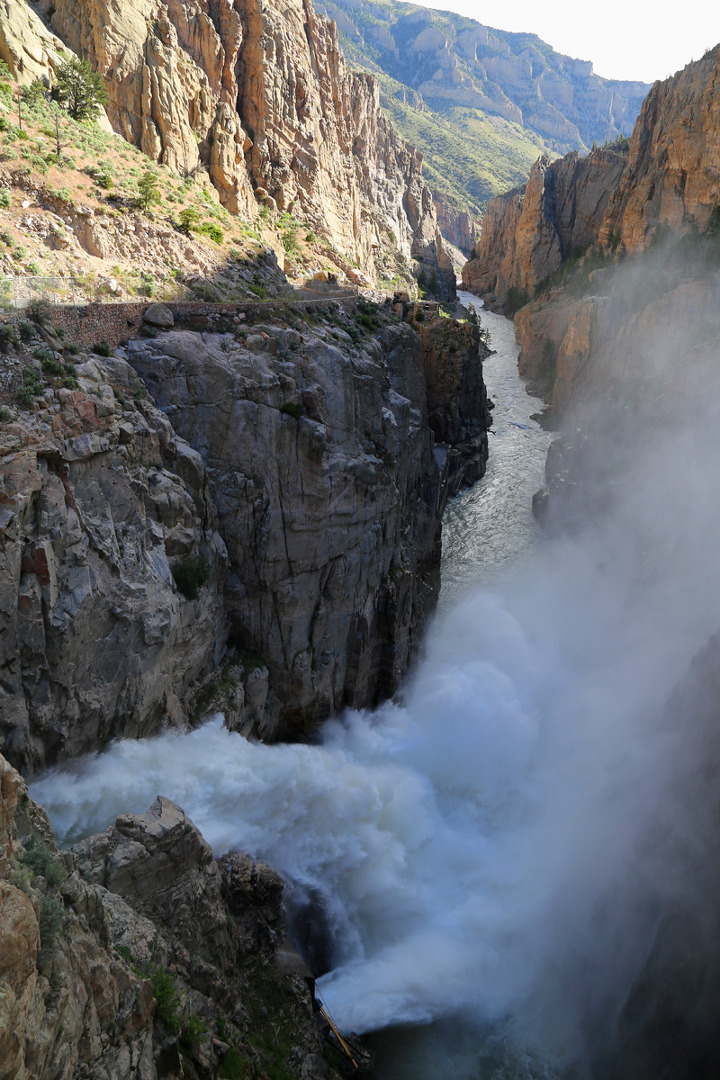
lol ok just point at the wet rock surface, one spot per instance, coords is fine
(137, 955)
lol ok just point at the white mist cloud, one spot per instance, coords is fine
(503, 845)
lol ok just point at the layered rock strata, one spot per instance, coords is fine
(319, 447)
(137, 955)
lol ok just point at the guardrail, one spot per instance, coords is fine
(20, 292)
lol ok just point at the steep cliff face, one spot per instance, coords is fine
(258, 96)
(667, 181)
(320, 457)
(527, 235)
(137, 955)
(672, 175)
(457, 226)
(99, 501)
(292, 483)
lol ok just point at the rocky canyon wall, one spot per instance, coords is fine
(286, 487)
(666, 180)
(99, 501)
(648, 222)
(257, 98)
(527, 234)
(321, 457)
(137, 955)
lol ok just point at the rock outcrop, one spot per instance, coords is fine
(287, 492)
(257, 95)
(137, 955)
(671, 180)
(666, 182)
(99, 502)
(527, 235)
(318, 442)
(29, 49)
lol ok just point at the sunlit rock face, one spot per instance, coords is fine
(257, 98)
(526, 235)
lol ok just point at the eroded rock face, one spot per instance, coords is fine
(672, 174)
(258, 96)
(321, 465)
(26, 45)
(527, 235)
(109, 951)
(99, 501)
(667, 181)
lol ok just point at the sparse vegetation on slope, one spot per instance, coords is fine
(480, 103)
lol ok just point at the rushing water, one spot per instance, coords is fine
(491, 525)
(484, 853)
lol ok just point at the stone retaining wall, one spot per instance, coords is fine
(115, 323)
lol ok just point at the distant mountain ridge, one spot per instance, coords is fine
(448, 80)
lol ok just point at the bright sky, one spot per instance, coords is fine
(625, 39)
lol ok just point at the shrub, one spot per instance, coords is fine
(148, 189)
(234, 1066)
(102, 348)
(5, 199)
(70, 384)
(189, 219)
(293, 409)
(51, 916)
(194, 1031)
(5, 414)
(8, 337)
(26, 329)
(190, 575)
(52, 366)
(43, 355)
(166, 999)
(212, 231)
(35, 93)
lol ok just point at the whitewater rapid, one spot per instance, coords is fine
(486, 848)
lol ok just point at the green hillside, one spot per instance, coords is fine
(468, 155)
(481, 104)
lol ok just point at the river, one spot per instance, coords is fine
(491, 525)
(481, 849)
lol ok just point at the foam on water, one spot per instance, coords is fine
(501, 844)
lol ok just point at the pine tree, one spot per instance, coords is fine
(148, 187)
(80, 89)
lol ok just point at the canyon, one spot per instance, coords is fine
(220, 528)
(297, 467)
